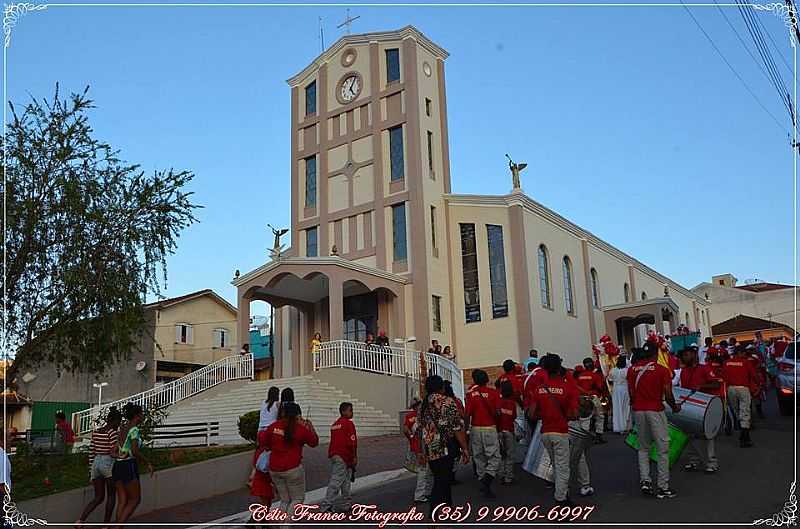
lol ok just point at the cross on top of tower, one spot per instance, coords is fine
(348, 21)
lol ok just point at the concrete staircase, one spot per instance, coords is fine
(318, 400)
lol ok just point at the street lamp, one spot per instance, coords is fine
(100, 387)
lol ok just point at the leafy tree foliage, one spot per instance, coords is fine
(86, 238)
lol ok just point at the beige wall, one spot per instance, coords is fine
(204, 314)
(491, 340)
(553, 329)
(777, 305)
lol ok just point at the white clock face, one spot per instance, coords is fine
(351, 87)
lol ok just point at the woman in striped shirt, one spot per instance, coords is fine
(101, 462)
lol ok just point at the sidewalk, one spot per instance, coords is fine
(376, 454)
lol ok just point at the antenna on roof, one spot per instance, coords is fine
(348, 22)
(321, 37)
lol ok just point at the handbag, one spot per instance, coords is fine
(262, 463)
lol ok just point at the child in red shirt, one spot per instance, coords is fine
(483, 405)
(424, 477)
(505, 425)
(342, 452)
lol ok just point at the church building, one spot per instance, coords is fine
(380, 242)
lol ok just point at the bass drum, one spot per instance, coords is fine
(701, 414)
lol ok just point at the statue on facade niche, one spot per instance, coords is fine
(334, 250)
(277, 247)
(515, 169)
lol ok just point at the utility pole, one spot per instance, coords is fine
(793, 15)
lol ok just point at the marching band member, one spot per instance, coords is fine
(592, 384)
(649, 384)
(508, 442)
(698, 377)
(556, 402)
(740, 377)
(483, 406)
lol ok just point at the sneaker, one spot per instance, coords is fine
(666, 493)
(588, 490)
(507, 481)
(691, 467)
(565, 503)
(647, 487)
(710, 469)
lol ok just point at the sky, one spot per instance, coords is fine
(632, 125)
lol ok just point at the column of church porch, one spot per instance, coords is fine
(243, 320)
(335, 308)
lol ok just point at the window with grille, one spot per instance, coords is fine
(469, 265)
(497, 271)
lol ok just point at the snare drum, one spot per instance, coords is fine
(701, 413)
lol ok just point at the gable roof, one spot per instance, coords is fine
(743, 323)
(763, 287)
(165, 303)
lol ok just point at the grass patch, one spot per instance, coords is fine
(35, 475)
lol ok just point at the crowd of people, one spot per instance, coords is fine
(566, 410)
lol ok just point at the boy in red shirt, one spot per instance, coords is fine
(508, 443)
(424, 476)
(556, 402)
(740, 377)
(649, 384)
(66, 436)
(698, 377)
(591, 383)
(342, 452)
(483, 406)
(510, 374)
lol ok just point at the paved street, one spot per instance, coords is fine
(752, 483)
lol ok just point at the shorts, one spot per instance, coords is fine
(125, 470)
(102, 467)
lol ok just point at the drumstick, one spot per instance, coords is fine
(688, 396)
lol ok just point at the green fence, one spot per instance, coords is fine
(44, 413)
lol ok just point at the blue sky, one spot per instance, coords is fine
(631, 124)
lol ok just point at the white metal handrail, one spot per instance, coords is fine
(229, 368)
(385, 360)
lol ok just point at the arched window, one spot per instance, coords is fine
(703, 316)
(569, 301)
(627, 290)
(644, 296)
(544, 277)
(687, 319)
(595, 289)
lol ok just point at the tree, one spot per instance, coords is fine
(86, 238)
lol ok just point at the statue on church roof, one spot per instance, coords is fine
(275, 253)
(515, 169)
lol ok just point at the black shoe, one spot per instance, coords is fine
(598, 439)
(486, 486)
(666, 493)
(565, 503)
(647, 488)
(744, 439)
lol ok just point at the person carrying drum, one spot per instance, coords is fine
(593, 385)
(649, 384)
(740, 376)
(698, 377)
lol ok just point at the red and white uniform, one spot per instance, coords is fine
(344, 441)
(648, 394)
(555, 400)
(483, 406)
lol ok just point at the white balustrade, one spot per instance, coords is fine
(386, 360)
(229, 368)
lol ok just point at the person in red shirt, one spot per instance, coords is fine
(424, 477)
(260, 482)
(761, 378)
(740, 378)
(286, 438)
(505, 424)
(66, 436)
(483, 407)
(556, 402)
(700, 378)
(649, 384)
(510, 374)
(343, 454)
(592, 384)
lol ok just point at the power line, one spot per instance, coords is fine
(766, 56)
(775, 47)
(732, 69)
